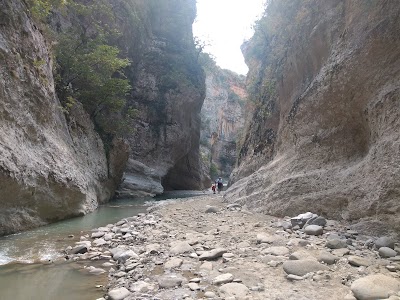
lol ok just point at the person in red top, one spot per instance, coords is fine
(213, 188)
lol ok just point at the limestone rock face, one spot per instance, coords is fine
(50, 169)
(222, 119)
(326, 134)
(168, 92)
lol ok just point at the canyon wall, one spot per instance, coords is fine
(222, 120)
(53, 163)
(50, 169)
(324, 134)
(168, 92)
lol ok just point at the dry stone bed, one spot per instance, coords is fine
(202, 248)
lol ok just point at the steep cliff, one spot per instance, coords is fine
(324, 133)
(222, 117)
(168, 92)
(53, 162)
(49, 169)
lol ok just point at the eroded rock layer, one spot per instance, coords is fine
(324, 135)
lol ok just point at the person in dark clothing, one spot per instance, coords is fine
(220, 184)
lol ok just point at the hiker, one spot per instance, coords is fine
(213, 188)
(220, 185)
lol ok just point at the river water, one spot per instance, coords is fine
(23, 274)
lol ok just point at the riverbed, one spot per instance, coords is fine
(32, 264)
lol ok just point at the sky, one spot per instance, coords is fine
(225, 24)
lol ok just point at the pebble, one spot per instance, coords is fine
(209, 295)
(213, 254)
(336, 244)
(327, 258)
(358, 261)
(224, 278)
(173, 263)
(387, 252)
(277, 251)
(314, 230)
(233, 289)
(384, 241)
(302, 267)
(181, 247)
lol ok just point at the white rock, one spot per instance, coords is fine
(118, 294)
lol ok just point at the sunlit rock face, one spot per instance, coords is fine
(325, 136)
(222, 120)
(50, 169)
(168, 92)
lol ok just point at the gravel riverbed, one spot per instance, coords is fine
(202, 248)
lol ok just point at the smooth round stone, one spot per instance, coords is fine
(327, 258)
(384, 241)
(387, 252)
(314, 230)
(118, 294)
(193, 286)
(209, 295)
(375, 287)
(300, 255)
(234, 289)
(302, 267)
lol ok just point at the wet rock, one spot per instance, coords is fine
(234, 206)
(384, 241)
(80, 249)
(118, 294)
(375, 287)
(213, 254)
(170, 281)
(314, 230)
(327, 258)
(302, 267)
(122, 255)
(358, 261)
(223, 278)
(95, 271)
(181, 247)
(234, 289)
(387, 252)
(97, 234)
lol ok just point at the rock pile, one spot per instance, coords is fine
(184, 251)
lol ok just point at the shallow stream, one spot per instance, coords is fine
(23, 275)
